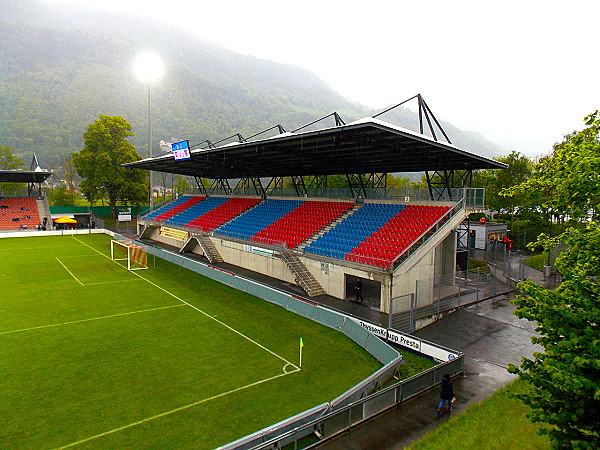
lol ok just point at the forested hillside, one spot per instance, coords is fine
(61, 67)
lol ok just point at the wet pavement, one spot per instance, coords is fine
(490, 336)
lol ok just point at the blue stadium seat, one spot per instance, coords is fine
(259, 217)
(167, 207)
(197, 210)
(353, 230)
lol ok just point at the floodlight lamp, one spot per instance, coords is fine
(149, 66)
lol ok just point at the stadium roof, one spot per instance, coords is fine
(367, 145)
(24, 176)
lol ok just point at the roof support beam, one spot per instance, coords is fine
(201, 186)
(223, 184)
(274, 184)
(356, 185)
(441, 181)
(299, 186)
(251, 183)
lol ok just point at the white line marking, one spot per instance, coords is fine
(70, 273)
(12, 249)
(88, 320)
(181, 408)
(110, 282)
(200, 311)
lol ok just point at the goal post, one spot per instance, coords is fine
(135, 255)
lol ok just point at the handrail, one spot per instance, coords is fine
(425, 235)
(308, 428)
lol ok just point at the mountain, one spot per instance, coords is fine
(63, 66)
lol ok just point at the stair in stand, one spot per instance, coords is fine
(304, 278)
(210, 251)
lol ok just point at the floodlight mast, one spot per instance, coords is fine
(149, 68)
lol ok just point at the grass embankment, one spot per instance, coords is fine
(499, 422)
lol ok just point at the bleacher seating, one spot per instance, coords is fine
(353, 230)
(223, 213)
(18, 213)
(262, 215)
(187, 215)
(397, 235)
(302, 222)
(375, 234)
(166, 212)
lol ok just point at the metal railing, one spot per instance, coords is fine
(475, 197)
(311, 434)
(417, 243)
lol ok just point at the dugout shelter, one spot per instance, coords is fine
(364, 152)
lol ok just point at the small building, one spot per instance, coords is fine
(480, 234)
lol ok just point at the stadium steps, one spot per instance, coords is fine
(304, 278)
(325, 229)
(44, 211)
(210, 251)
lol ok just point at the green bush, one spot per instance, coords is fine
(474, 264)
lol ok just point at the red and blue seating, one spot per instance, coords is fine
(223, 213)
(301, 223)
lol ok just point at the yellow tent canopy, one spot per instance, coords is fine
(64, 219)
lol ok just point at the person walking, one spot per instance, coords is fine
(358, 290)
(446, 394)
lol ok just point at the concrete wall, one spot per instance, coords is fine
(332, 278)
(154, 234)
(246, 256)
(435, 257)
(404, 283)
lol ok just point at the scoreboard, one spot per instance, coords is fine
(181, 150)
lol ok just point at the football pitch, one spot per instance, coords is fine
(95, 356)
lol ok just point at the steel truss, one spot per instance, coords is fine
(440, 182)
(361, 185)
(424, 111)
(222, 184)
(200, 185)
(251, 183)
(358, 183)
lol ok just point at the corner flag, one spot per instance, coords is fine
(301, 345)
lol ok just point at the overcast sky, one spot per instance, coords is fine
(522, 73)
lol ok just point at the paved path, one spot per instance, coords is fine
(490, 336)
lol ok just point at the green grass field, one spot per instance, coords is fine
(95, 356)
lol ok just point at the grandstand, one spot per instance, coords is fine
(312, 236)
(20, 209)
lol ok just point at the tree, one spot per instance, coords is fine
(69, 172)
(99, 163)
(396, 181)
(568, 181)
(62, 196)
(180, 184)
(8, 160)
(495, 180)
(564, 379)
